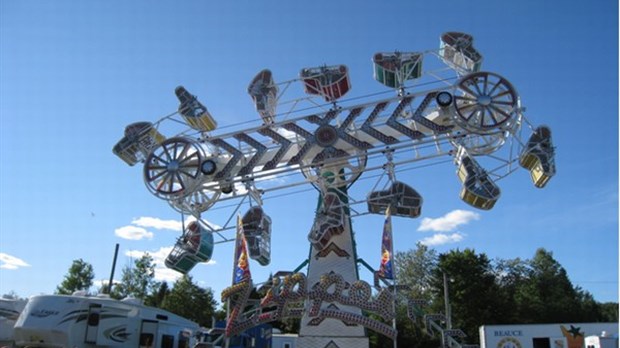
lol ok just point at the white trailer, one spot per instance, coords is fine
(280, 340)
(566, 335)
(10, 309)
(88, 322)
(602, 341)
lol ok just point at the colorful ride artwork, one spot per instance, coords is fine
(443, 106)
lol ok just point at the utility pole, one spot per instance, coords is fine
(446, 297)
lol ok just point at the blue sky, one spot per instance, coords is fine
(73, 74)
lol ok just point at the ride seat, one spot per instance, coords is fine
(257, 232)
(330, 82)
(195, 114)
(139, 139)
(457, 50)
(539, 156)
(393, 69)
(180, 260)
(478, 189)
(264, 93)
(405, 201)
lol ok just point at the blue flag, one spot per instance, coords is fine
(242, 262)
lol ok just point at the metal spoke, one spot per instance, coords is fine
(158, 175)
(472, 114)
(172, 168)
(465, 98)
(467, 90)
(499, 110)
(476, 82)
(466, 106)
(495, 121)
(501, 102)
(501, 94)
(497, 84)
(493, 104)
(180, 180)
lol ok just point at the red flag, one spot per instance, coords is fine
(386, 268)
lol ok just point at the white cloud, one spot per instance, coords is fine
(162, 273)
(11, 262)
(158, 223)
(172, 225)
(133, 233)
(440, 239)
(448, 222)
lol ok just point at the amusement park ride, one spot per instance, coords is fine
(450, 109)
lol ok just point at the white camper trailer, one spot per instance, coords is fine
(566, 335)
(602, 341)
(83, 321)
(9, 312)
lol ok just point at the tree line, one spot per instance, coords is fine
(481, 291)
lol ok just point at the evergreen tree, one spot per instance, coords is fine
(546, 295)
(509, 276)
(191, 301)
(157, 298)
(609, 312)
(474, 295)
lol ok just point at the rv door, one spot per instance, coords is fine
(148, 334)
(92, 323)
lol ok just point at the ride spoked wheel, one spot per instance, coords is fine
(336, 172)
(485, 102)
(198, 201)
(172, 169)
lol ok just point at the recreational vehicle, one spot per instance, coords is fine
(85, 322)
(601, 341)
(9, 312)
(566, 335)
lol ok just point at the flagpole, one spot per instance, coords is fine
(393, 261)
(387, 269)
(394, 319)
(234, 267)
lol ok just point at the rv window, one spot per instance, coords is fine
(541, 342)
(93, 319)
(146, 340)
(167, 341)
(183, 342)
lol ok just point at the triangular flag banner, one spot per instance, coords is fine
(386, 270)
(242, 263)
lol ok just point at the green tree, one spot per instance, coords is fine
(79, 277)
(191, 301)
(137, 281)
(156, 299)
(415, 268)
(509, 276)
(547, 295)
(609, 312)
(473, 293)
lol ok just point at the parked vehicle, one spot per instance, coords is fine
(79, 321)
(566, 335)
(10, 309)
